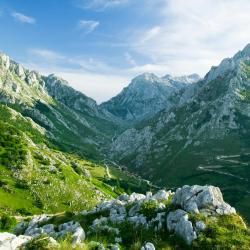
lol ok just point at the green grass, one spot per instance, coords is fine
(227, 232)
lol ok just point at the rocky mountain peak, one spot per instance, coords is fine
(54, 78)
(4, 61)
(245, 53)
(146, 76)
(228, 64)
(188, 79)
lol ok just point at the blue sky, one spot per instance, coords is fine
(99, 45)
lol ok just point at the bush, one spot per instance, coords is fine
(149, 209)
(23, 211)
(40, 243)
(7, 222)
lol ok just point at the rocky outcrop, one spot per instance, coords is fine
(34, 229)
(207, 200)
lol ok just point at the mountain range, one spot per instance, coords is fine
(170, 130)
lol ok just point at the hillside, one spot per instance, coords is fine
(33, 170)
(66, 114)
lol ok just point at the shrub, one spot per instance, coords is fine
(149, 209)
(40, 243)
(7, 222)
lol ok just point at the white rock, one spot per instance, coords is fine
(20, 71)
(196, 198)
(200, 226)
(173, 218)
(78, 236)
(161, 195)
(12, 242)
(148, 246)
(4, 61)
(185, 230)
(136, 197)
(178, 223)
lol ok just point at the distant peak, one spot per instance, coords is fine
(243, 53)
(57, 78)
(192, 78)
(146, 76)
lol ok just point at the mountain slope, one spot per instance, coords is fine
(204, 138)
(146, 95)
(32, 172)
(72, 120)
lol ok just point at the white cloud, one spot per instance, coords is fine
(130, 59)
(23, 18)
(46, 54)
(89, 75)
(193, 35)
(88, 25)
(100, 4)
(100, 87)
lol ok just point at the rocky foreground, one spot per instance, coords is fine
(185, 215)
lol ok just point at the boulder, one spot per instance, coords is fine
(115, 247)
(20, 228)
(78, 236)
(38, 219)
(48, 229)
(178, 223)
(136, 197)
(123, 197)
(138, 220)
(161, 195)
(173, 218)
(200, 226)
(12, 242)
(148, 246)
(195, 198)
(134, 210)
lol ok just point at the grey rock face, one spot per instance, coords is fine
(146, 95)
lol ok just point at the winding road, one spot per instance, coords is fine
(232, 159)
